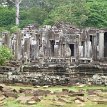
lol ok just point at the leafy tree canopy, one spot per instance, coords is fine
(82, 13)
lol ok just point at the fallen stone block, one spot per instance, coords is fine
(80, 99)
(1, 93)
(71, 91)
(1, 103)
(31, 102)
(2, 98)
(28, 99)
(76, 94)
(10, 94)
(64, 100)
(46, 86)
(1, 87)
(24, 99)
(37, 86)
(65, 90)
(21, 90)
(41, 92)
(58, 104)
(102, 102)
(37, 98)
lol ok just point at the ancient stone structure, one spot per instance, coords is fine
(57, 43)
(61, 49)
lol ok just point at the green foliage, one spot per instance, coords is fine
(14, 29)
(37, 15)
(82, 13)
(70, 13)
(7, 17)
(97, 16)
(2, 29)
(5, 54)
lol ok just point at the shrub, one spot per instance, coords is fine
(5, 54)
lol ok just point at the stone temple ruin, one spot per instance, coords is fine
(60, 54)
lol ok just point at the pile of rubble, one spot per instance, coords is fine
(23, 96)
(56, 98)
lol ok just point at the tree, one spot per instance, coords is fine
(5, 54)
(82, 13)
(37, 15)
(17, 5)
(7, 17)
(74, 12)
(97, 16)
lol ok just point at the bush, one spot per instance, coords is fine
(5, 54)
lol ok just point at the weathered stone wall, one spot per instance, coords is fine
(38, 76)
(56, 75)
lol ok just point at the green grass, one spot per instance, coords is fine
(14, 103)
(59, 88)
(48, 102)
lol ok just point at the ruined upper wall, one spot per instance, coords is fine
(34, 44)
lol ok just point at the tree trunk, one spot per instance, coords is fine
(17, 2)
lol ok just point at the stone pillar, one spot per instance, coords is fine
(33, 50)
(67, 51)
(60, 49)
(88, 49)
(44, 42)
(85, 54)
(64, 47)
(56, 50)
(76, 46)
(6, 40)
(94, 48)
(27, 49)
(36, 46)
(80, 51)
(13, 47)
(101, 44)
(18, 46)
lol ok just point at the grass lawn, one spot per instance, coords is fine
(48, 102)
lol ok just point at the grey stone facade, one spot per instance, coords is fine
(63, 42)
(55, 54)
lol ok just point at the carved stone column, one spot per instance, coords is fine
(101, 45)
(6, 39)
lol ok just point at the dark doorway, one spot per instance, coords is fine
(105, 44)
(72, 49)
(52, 43)
(91, 38)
